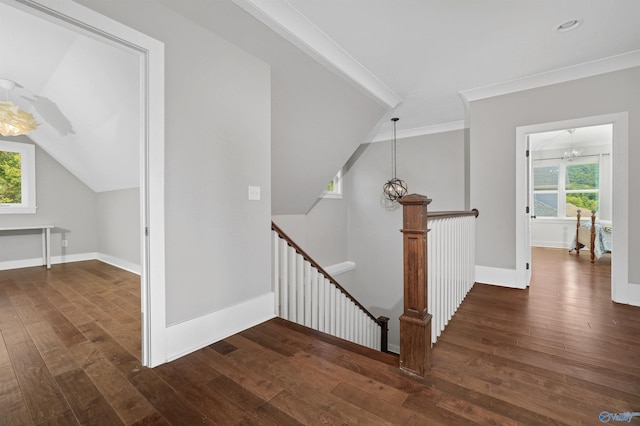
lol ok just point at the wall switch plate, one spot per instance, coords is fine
(254, 193)
(65, 243)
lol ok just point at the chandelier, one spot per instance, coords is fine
(395, 188)
(572, 152)
(13, 120)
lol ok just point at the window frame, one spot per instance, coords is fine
(337, 187)
(562, 191)
(27, 153)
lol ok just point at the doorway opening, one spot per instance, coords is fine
(570, 171)
(526, 198)
(150, 54)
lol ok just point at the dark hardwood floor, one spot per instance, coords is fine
(558, 353)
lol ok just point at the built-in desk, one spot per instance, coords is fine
(46, 239)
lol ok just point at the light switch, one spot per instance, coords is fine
(254, 192)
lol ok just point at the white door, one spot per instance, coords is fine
(529, 213)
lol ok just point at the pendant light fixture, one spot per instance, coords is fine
(395, 188)
(572, 152)
(13, 120)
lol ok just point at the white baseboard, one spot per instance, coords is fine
(550, 244)
(496, 276)
(119, 263)
(55, 260)
(23, 263)
(189, 336)
(68, 258)
(634, 294)
(393, 348)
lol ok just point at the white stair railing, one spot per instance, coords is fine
(307, 295)
(451, 260)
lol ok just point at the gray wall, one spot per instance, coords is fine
(217, 143)
(321, 233)
(318, 117)
(327, 231)
(118, 224)
(63, 201)
(493, 125)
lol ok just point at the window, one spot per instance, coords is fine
(17, 177)
(560, 188)
(334, 187)
(582, 187)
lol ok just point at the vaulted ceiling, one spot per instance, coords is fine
(420, 60)
(83, 92)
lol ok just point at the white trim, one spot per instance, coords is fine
(22, 263)
(70, 258)
(337, 187)
(393, 348)
(549, 244)
(332, 195)
(151, 53)
(620, 287)
(561, 75)
(293, 26)
(189, 336)
(37, 261)
(119, 263)
(496, 276)
(634, 294)
(420, 131)
(27, 153)
(340, 268)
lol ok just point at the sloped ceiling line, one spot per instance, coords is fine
(289, 23)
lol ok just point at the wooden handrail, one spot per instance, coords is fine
(382, 320)
(453, 213)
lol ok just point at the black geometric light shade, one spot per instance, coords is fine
(395, 188)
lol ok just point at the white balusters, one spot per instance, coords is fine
(451, 258)
(315, 296)
(305, 295)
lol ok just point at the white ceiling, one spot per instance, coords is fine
(582, 136)
(83, 92)
(419, 59)
(429, 51)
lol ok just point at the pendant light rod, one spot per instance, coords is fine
(393, 147)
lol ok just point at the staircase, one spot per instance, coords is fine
(306, 294)
(439, 271)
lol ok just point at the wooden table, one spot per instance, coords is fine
(46, 239)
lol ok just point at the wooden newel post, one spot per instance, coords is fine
(384, 333)
(415, 322)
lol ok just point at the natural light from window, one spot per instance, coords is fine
(334, 187)
(17, 177)
(570, 171)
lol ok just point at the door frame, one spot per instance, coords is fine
(620, 176)
(152, 239)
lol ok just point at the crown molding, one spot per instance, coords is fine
(293, 26)
(560, 75)
(420, 131)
